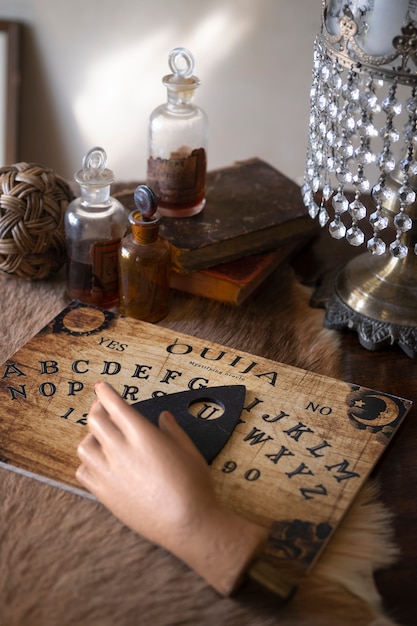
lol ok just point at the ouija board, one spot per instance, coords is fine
(301, 445)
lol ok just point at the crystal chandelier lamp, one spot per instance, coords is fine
(361, 169)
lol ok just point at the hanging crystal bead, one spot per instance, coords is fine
(307, 194)
(353, 108)
(410, 133)
(348, 123)
(340, 202)
(357, 210)
(319, 157)
(332, 110)
(327, 191)
(386, 161)
(391, 106)
(390, 134)
(408, 165)
(403, 222)
(364, 155)
(355, 236)
(337, 229)
(344, 175)
(323, 216)
(325, 73)
(378, 221)
(345, 148)
(398, 249)
(322, 129)
(311, 171)
(315, 184)
(313, 209)
(331, 137)
(322, 102)
(361, 183)
(365, 128)
(376, 245)
(369, 100)
(351, 92)
(411, 105)
(336, 81)
(406, 195)
(331, 163)
(381, 193)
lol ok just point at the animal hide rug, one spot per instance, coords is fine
(66, 561)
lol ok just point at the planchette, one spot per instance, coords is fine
(207, 415)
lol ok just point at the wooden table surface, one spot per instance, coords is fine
(392, 371)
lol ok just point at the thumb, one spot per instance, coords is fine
(169, 425)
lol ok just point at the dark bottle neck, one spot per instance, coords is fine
(144, 232)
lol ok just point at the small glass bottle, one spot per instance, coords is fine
(144, 262)
(177, 143)
(94, 225)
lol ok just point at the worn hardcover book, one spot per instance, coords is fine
(235, 281)
(287, 447)
(251, 207)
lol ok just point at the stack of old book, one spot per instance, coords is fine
(253, 221)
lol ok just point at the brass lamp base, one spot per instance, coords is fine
(377, 297)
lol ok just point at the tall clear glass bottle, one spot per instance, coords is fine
(144, 263)
(177, 142)
(94, 225)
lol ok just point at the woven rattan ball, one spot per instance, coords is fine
(33, 200)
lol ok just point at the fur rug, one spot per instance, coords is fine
(67, 561)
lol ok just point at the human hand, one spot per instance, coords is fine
(156, 481)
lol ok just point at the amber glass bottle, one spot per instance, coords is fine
(144, 263)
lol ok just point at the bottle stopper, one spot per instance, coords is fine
(181, 64)
(145, 201)
(94, 171)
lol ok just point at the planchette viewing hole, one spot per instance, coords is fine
(206, 409)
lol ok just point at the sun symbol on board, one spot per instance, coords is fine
(82, 320)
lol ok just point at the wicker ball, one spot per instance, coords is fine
(33, 200)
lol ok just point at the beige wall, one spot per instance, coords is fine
(92, 75)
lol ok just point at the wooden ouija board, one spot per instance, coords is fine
(302, 446)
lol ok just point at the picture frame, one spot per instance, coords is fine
(10, 35)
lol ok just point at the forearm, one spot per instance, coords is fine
(221, 547)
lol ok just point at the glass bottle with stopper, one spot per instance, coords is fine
(177, 142)
(94, 225)
(144, 262)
